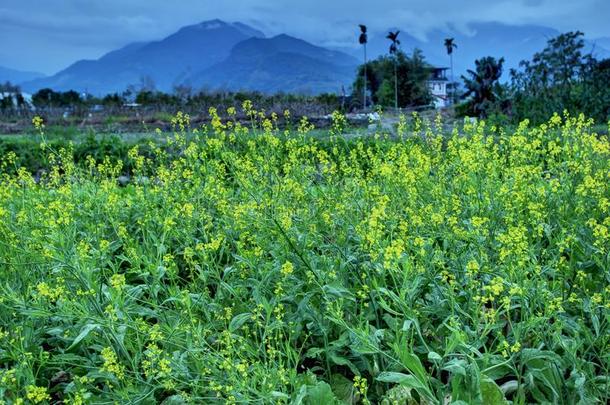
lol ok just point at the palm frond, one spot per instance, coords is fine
(363, 39)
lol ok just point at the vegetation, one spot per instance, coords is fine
(450, 46)
(261, 265)
(408, 87)
(362, 40)
(483, 88)
(28, 154)
(182, 97)
(560, 77)
(11, 97)
(49, 98)
(394, 44)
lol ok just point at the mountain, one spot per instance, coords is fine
(602, 42)
(234, 56)
(279, 64)
(164, 63)
(17, 76)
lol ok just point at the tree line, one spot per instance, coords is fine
(181, 97)
(562, 76)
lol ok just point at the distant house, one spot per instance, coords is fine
(438, 85)
(132, 105)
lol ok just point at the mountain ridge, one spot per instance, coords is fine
(280, 64)
(16, 76)
(166, 62)
(216, 54)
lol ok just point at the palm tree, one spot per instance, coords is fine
(483, 85)
(450, 46)
(363, 40)
(393, 36)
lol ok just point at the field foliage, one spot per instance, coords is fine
(263, 265)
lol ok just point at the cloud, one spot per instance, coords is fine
(49, 35)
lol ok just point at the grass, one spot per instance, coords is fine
(254, 265)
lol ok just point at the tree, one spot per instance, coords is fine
(597, 93)
(412, 74)
(12, 98)
(8, 87)
(393, 37)
(45, 98)
(557, 78)
(483, 87)
(6, 102)
(450, 45)
(69, 98)
(363, 39)
(183, 92)
(147, 83)
(113, 100)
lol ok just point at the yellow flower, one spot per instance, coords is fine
(287, 269)
(472, 268)
(38, 123)
(52, 293)
(111, 364)
(37, 394)
(117, 281)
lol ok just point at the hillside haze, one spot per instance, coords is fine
(280, 64)
(166, 63)
(17, 76)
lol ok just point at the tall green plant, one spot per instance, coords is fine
(483, 87)
(363, 40)
(395, 43)
(397, 80)
(450, 45)
(563, 76)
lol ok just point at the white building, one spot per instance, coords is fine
(14, 99)
(438, 85)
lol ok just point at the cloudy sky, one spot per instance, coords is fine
(47, 35)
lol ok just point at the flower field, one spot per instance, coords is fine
(263, 265)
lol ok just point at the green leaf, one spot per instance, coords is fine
(338, 291)
(238, 321)
(321, 393)
(456, 366)
(279, 395)
(406, 380)
(314, 352)
(85, 330)
(509, 387)
(412, 362)
(342, 361)
(342, 387)
(174, 400)
(491, 393)
(301, 395)
(434, 356)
